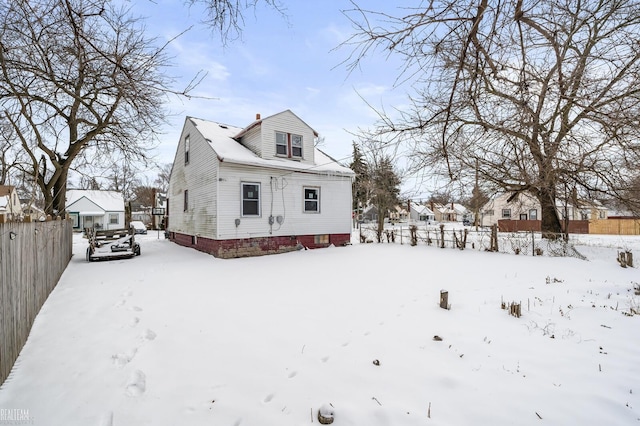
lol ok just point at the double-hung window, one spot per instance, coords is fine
(296, 146)
(288, 145)
(311, 200)
(250, 199)
(282, 144)
(506, 213)
(113, 218)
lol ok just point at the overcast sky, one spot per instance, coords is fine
(281, 62)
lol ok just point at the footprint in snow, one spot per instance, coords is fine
(269, 397)
(122, 359)
(292, 374)
(137, 384)
(149, 335)
(134, 321)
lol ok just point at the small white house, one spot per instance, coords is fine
(261, 189)
(421, 213)
(10, 206)
(99, 209)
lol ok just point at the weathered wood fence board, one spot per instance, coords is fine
(615, 227)
(33, 256)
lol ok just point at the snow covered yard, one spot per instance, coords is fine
(177, 337)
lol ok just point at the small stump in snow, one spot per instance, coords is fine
(325, 414)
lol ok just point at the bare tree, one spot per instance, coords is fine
(382, 181)
(544, 96)
(164, 174)
(227, 17)
(78, 79)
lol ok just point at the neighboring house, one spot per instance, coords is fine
(523, 206)
(261, 189)
(99, 209)
(10, 206)
(421, 213)
(398, 214)
(462, 213)
(34, 212)
(370, 213)
(143, 216)
(444, 212)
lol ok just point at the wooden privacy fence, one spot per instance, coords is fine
(33, 256)
(615, 226)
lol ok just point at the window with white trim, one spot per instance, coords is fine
(288, 145)
(506, 213)
(533, 214)
(296, 146)
(311, 200)
(113, 218)
(282, 144)
(250, 199)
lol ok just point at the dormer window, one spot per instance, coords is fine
(288, 145)
(296, 146)
(281, 144)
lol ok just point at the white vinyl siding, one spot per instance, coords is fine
(287, 122)
(199, 178)
(282, 195)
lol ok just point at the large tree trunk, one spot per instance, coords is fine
(380, 227)
(551, 227)
(60, 193)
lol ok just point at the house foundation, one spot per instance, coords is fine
(247, 247)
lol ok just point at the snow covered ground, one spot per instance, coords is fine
(178, 337)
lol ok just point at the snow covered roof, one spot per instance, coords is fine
(106, 200)
(221, 138)
(421, 208)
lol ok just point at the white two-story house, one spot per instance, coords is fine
(261, 189)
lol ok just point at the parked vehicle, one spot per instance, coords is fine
(111, 244)
(138, 227)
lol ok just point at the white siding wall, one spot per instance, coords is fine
(253, 140)
(523, 204)
(283, 198)
(107, 221)
(289, 123)
(199, 177)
